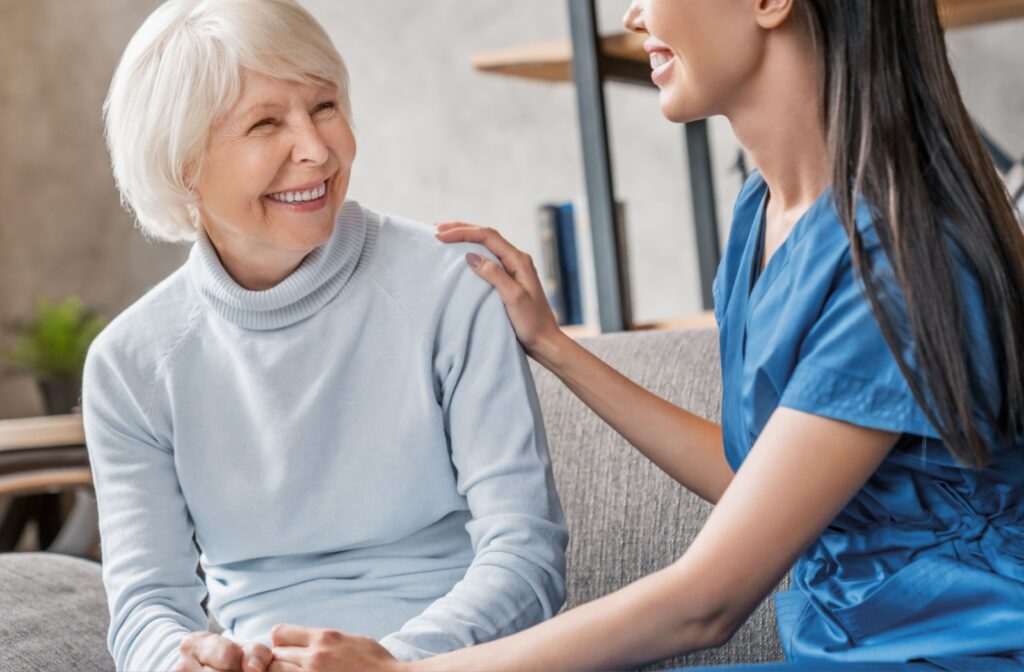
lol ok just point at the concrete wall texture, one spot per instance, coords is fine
(437, 140)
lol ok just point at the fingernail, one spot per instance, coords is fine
(474, 260)
(255, 662)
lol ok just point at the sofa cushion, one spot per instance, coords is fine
(53, 614)
(626, 517)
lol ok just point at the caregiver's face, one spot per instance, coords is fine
(702, 52)
(276, 169)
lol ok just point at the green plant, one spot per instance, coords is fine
(53, 342)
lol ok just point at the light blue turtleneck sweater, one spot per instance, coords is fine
(359, 447)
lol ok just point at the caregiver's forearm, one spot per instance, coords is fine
(501, 594)
(684, 445)
(647, 620)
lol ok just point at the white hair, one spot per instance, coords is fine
(179, 73)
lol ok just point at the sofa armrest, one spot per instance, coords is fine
(54, 614)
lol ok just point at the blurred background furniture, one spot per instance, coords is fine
(40, 458)
(626, 517)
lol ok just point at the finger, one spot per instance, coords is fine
(219, 652)
(186, 663)
(188, 649)
(256, 658)
(282, 666)
(489, 238)
(285, 634)
(209, 668)
(517, 263)
(444, 226)
(511, 291)
(296, 655)
(188, 645)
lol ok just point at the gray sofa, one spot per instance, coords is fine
(626, 519)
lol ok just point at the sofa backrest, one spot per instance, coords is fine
(626, 517)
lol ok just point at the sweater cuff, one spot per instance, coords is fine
(403, 651)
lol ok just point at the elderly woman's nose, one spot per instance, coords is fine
(310, 146)
(634, 18)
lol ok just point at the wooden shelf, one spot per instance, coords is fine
(959, 13)
(552, 61)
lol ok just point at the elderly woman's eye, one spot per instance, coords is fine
(262, 122)
(326, 105)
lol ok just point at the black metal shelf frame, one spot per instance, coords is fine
(591, 69)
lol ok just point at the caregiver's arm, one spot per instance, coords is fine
(149, 560)
(799, 475)
(499, 451)
(684, 445)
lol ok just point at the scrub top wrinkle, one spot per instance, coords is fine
(927, 560)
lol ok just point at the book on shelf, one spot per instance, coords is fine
(568, 271)
(550, 271)
(569, 264)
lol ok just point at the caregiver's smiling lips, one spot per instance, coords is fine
(662, 59)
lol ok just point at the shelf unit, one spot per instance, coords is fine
(590, 61)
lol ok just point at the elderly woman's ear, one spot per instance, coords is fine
(189, 176)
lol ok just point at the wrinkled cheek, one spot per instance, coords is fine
(261, 211)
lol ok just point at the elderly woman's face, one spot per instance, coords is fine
(276, 171)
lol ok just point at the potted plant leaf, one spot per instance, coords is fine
(51, 346)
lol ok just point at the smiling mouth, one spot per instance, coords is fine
(309, 195)
(660, 58)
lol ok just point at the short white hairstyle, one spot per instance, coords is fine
(179, 73)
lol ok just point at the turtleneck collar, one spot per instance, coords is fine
(318, 279)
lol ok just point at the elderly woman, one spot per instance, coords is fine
(323, 407)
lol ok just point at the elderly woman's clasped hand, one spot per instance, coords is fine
(296, 649)
(206, 651)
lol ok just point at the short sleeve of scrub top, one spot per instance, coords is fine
(800, 333)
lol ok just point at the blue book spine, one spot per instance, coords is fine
(550, 266)
(569, 265)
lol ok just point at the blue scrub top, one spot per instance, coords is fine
(927, 560)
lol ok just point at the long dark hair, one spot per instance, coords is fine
(900, 138)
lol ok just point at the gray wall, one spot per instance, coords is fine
(437, 141)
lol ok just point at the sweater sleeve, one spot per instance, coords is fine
(149, 558)
(499, 450)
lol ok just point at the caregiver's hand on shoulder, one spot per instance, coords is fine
(209, 652)
(299, 649)
(517, 282)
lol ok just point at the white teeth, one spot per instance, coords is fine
(658, 59)
(300, 196)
